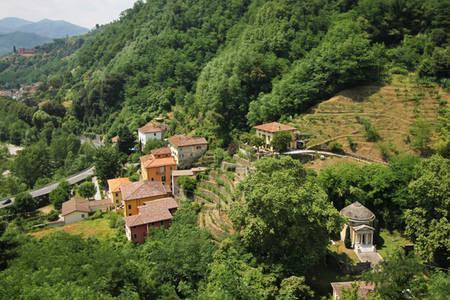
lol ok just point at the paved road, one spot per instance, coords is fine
(73, 179)
(325, 153)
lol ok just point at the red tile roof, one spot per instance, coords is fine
(114, 184)
(161, 151)
(142, 189)
(152, 212)
(183, 141)
(152, 127)
(75, 204)
(150, 161)
(274, 127)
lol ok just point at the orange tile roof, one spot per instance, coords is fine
(153, 126)
(183, 140)
(161, 151)
(142, 189)
(114, 184)
(149, 161)
(152, 211)
(274, 127)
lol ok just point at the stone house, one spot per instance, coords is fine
(78, 209)
(186, 149)
(268, 130)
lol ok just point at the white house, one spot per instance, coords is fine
(77, 209)
(151, 131)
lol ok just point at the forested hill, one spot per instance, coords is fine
(222, 66)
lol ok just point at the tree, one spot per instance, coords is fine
(126, 140)
(60, 195)
(427, 223)
(294, 288)
(347, 241)
(87, 189)
(281, 206)
(281, 141)
(188, 184)
(400, 276)
(421, 132)
(31, 163)
(153, 144)
(107, 163)
(24, 203)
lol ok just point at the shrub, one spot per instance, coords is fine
(335, 147)
(352, 144)
(370, 131)
(53, 216)
(347, 240)
(188, 184)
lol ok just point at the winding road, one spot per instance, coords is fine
(47, 189)
(326, 153)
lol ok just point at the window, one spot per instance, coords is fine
(162, 223)
(154, 134)
(134, 235)
(82, 215)
(117, 194)
(163, 178)
(152, 179)
(129, 214)
(129, 206)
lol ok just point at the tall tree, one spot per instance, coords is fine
(107, 163)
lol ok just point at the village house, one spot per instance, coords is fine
(158, 166)
(268, 130)
(135, 194)
(186, 149)
(364, 288)
(153, 214)
(184, 173)
(26, 52)
(153, 130)
(114, 190)
(77, 208)
(360, 221)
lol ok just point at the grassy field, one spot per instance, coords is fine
(391, 109)
(98, 228)
(392, 242)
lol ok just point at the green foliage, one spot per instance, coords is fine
(347, 240)
(421, 132)
(87, 189)
(280, 202)
(427, 221)
(335, 147)
(60, 195)
(53, 216)
(281, 141)
(24, 203)
(126, 140)
(352, 144)
(107, 163)
(188, 184)
(370, 131)
(294, 288)
(153, 144)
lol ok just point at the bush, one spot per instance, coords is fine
(53, 216)
(336, 147)
(347, 240)
(370, 131)
(87, 189)
(352, 144)
(188, 184)
(97, 215)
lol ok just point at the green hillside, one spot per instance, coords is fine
(20, 40)
(227, 65)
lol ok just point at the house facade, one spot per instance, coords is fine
(158, 166)
(186, 149)
(359, 221)
(267, 132)
(151, 131)
(151, 215)
(135, 194)
(114, 192)
(78, 209)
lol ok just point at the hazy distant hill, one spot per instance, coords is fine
(8, 25)
(22, 33)
(20, 40)
(53, 29)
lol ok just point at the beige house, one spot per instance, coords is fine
(114, 190)
(153, 130)
(186, 149)
(78, 209)
(360, 220)
(268, 130)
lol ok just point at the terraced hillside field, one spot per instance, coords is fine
(391, 109)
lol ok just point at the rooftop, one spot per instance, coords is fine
(150, 161)
(114, 184)
(183, 140)
(161, 151)
(152, 127)
(83, 205)
(364, 288)
(142, 189)
(274, 127)
(152, 212)
(358, 212)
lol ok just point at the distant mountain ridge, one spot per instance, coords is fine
(26, 34)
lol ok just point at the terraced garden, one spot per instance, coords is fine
(390, 109)
(216, 195)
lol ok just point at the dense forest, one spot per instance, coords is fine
(216, 68)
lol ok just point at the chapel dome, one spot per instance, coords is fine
(357, 212)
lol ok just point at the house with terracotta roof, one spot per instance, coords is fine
(114, 192)
(268, 130)
(364, 288)
(153, 130)
(135, 194)
(158, 166)
(152, 214)
(77, 208)
(187, 149)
